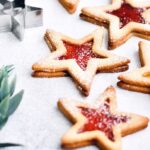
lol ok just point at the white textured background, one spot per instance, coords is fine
(38, 124)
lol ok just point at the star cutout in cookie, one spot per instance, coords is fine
(80, 58)
(123, 18)
(70, 5)
(99, 123)
(139, 79)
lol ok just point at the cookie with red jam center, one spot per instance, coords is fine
(79, 58)
(99, 123)
(122, 18)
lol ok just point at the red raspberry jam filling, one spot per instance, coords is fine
(81, 53)
(128, 13)
(101, 119)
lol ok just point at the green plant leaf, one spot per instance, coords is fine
(3, 145)
(1, 76)
(8, 103)
(5, 72)
(4, 106)
(9, 68)
(0, 95)
(2, 122)
(14, 102)
(13, 85)
(4, 88)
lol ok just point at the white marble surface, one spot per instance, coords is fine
(37, 123)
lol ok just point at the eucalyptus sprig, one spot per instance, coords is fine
(8, 101)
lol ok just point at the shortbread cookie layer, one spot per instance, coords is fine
(64, 74)
(81, 59)
(70, 5)
(99, 123)
(134, 88)
(119, 20)
(139, 79)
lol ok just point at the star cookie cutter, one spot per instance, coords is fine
(15, 17)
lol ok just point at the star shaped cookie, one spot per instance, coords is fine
(81, 59)
(123, 18)
(139, 79)
(100, 123)
(70, 5)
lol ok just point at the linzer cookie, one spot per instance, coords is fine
(139, 79)
(70, 5)
(123, 18)
(81, 59)
(100, 123)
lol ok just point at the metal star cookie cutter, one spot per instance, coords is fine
(15, 16)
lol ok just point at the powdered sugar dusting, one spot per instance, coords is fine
(81, 53)
(101, 119)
